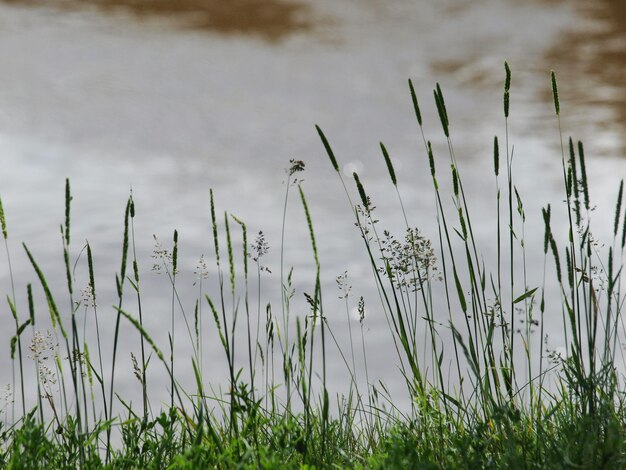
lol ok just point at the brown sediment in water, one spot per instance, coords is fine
(270, 19)
(599, 54)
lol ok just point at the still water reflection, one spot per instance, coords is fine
(171, 111)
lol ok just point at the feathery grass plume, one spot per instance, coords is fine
(329, 150)
(392, 173)
(441, 109)
(618, 207)
(416, 107)
(507, 87)
(496, 156)
(68, 200)
(364, 199)
(3, 222)
(555, 94)
(583, 173)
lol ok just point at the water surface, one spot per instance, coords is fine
(173, 104)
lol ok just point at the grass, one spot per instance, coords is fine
(483, 392)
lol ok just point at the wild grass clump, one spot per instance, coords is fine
(484, 392)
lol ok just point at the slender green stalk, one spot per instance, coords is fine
(119, 282)
(136, 286)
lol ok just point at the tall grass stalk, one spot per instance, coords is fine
(119, 283)
(12, 302)
(136, 287)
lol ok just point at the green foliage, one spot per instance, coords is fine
(504, 402)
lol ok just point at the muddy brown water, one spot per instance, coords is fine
(270, 19)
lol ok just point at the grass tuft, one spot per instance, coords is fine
(485, 385)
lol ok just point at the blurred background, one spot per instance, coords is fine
(173, 97)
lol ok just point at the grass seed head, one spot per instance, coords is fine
(555, 94)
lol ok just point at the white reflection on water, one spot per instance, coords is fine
(114, 104)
